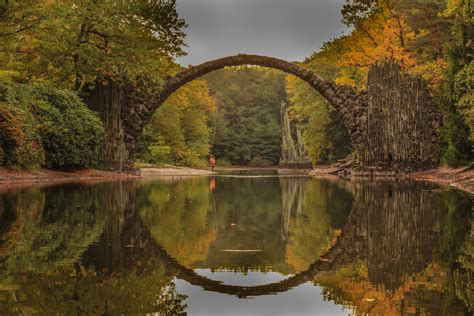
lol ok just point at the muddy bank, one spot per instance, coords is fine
(325, 171)
(461, 178)
(12, 177)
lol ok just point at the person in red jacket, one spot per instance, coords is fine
(212, 162)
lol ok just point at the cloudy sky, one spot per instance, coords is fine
(288, 29)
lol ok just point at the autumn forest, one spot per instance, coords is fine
(54, 52)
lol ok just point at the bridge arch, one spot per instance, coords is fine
(348, 101)
(136, 243)
(378, 119)
(328, 261)
(337, 95)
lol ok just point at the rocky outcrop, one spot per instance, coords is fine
(402, 120)
(108, 99)
(293, 150)
(288, 148)
(123, 108)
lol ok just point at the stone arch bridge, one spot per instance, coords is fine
(393, 121)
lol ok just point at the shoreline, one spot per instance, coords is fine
(460, 178)
(9, 178)
(46, 176)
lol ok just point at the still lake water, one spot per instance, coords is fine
(237, 245)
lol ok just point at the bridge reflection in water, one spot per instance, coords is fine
(378, 247)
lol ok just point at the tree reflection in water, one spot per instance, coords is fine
(406, 240)
(379, 247)
(41, 255)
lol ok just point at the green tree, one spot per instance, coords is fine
(325, 136)
(247, 127)
(179, 131)
(70, 133)
(456, 95)
(74, 42)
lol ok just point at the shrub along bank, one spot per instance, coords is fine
(42, 126)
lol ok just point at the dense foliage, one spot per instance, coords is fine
(179, 132)
(433, 39)
(456, 97)
(20, 144)
(43, 125)
(70, 45)
(324, 135)
(247, 127)
(73, 42)
(71, 133)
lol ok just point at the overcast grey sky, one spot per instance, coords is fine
(288, 29)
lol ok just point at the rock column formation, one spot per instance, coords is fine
(293, 150)
(122, 108)
(108, 100)
(288, 149)
(402, 120)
